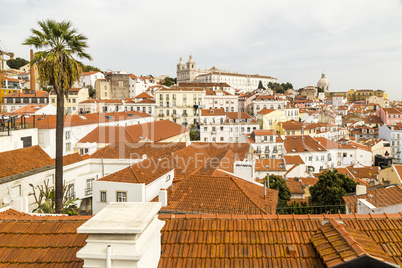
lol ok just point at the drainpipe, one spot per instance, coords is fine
(108, 256)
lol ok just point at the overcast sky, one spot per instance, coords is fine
(357, 43)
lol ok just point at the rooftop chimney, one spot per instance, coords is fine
(361, 189)
(32, 73)
(123, 235)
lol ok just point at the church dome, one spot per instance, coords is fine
(181, 61)
(323, 83)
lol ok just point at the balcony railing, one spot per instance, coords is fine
(88, 191)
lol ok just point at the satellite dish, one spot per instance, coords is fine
(7, 199)
(144, 156)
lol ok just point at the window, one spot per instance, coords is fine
(53, 101)
(68, 146)
(121, 196)
(16, 190)
(88, 190)
(221, 138)
(105, 94)
(103, 197)
(68, 135)
(70, 191)
(26, 141)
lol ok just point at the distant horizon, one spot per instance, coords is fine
(357, 44)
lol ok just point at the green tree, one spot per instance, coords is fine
(58, 68)
(89, 68)
(320, 90)
(260, 86)
(17, 63)
(168, 82)
(330, 188)
(279, 184)
(44, 198)
(91, 91)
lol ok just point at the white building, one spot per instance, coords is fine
(216, 125)
(266, 102)
(78, 126)
(188, 73)
(220, 99)
(138, 85)
(88, 79)
(141, 182)
(267, 144)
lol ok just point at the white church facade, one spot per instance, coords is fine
(244, 82)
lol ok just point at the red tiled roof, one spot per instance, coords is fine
(222, 194)
(293, 159)
(144, 95)
(49, 121)
(29, 109)
(264, 132)
(338, 243)
(145, 171)
(71, 159)
(300, 144)
(381, 196)
(137, 150)
(295, 187)
(40, 241)
(212, 112)
(152, 131)
(269, 164)
(23, 160)
(28, 93)
(265, 240)
(239, 115)
(266, 111)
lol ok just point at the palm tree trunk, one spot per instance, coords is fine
(59, 153)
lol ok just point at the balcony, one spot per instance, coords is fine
(88, 191)
(213, 132)
(184, 115)
(161, 115)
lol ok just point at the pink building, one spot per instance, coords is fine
(390, 116)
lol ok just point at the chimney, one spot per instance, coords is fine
(123, 234)
(361, 189)
(32, 73)
(162, 198)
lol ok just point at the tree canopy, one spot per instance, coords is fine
(279, 184)
(17, 63)
(58, 44)
(260, 85)
(330, 188)
(90, 68)
(169, 81)
(280, 88)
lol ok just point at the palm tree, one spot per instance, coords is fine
(59, 44)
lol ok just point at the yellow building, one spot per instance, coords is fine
(295, 128)
(103, 90)
(75, 96)
(391, 175)
(269, 118)
(180, 105)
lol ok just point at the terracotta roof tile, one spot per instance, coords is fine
(220, 194)
(299, 144)
(144, 95)
(381, 196)
(145, 171)
(293, 159)
(271, 240)
(266, 111)
(338, 243)
(23, 160)
(32, 241)
(295, 187)
(212, 112)
(71, 159)
(152, 131)
(270, 164)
